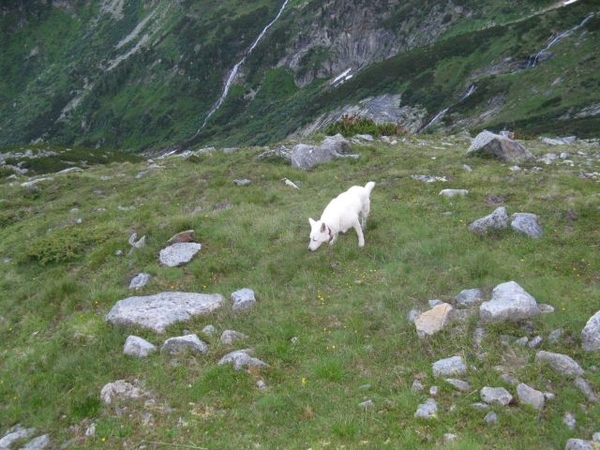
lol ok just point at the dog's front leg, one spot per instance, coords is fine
(334, 237)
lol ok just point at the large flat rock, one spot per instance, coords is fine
(158, 311)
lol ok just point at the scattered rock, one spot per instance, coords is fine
(490, 145)
(15, 434)
(120, 390)
(469, 297)
(586, 389)
(527, 224)
(139, 347)
(562, 364)
(530, 396)
(139, 281)
(179, 253)
(498, 395)
(497, 220)
(570, 421)
(37, 443)
(243, 299)
(510, 302)
(590, 335)
(427, 410)
(432, 321)
(428, 178)
(242, 359)
(459, 384)
(242, 182)
(306, 156)
(158, 311)
(228, 337)
(491, 417)
(189, 342)
(454, 192)
(580, 444)
(453, 366)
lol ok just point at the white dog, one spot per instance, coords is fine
(341, 214)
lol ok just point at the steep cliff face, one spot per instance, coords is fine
(343, 36)
(138, 75)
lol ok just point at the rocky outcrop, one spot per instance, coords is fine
(354, 36)
(387, 108)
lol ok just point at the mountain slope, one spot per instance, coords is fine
(133, 76)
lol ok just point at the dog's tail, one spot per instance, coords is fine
(369, 186)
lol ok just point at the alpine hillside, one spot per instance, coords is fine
(149, 75)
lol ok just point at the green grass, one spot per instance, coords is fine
(331, 324)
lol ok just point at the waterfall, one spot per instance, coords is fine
(533, 60)
(233, 72)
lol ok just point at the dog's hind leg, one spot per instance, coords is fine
(364, 213)
(359, 232)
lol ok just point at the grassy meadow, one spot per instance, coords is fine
(331, 324)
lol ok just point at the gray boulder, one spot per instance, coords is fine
(453, 366)
(158, 311)
(494, 221)
(510, 302)
(15, 434)
(120, 390)
(527, 224)
(530, 396)
(590, 335)
(242, 359)
(469, 297)
(137, 346)
(243, 299)
(179, 253)
(139, 281)
(490, 145)
(306, 156)
(581, 444)
(178, 344)
(427, 410)
(497, 395)
(228, 337)
(561, 364)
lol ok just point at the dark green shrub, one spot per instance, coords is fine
(65, 244)
(351, 125)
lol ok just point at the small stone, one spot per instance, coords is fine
(449, 367)
(535, 342)
(427, 410)
(417, 386)
(562, 364)
(530, 396)
(491, 417)
(459, 384)
(367, 404)
(228, 337)
(570, 421)
(179, 344)
(139, 281)
(243, 299)
(497, 395)
(136, 346)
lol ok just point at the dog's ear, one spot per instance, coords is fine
(323, 227)
(311, 221)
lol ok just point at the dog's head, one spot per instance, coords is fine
(319, 234)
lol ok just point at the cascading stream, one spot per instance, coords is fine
(559, 37)
(232, 74)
